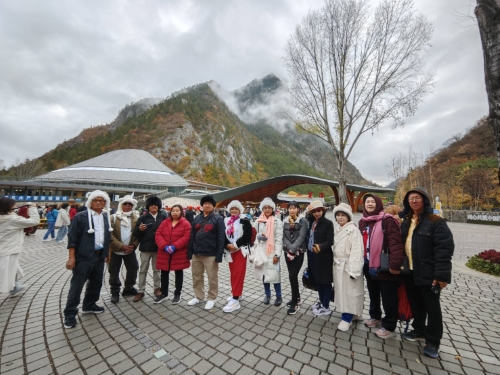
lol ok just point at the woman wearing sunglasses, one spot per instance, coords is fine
(320, 255)
(267, 250)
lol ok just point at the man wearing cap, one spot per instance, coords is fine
(429, 247)
(205, 251)
(123, 245)
(89, 238)
(145, 231)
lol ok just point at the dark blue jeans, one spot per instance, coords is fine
(277, 289)
(325, 294)
(91, 270)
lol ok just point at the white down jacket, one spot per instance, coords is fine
(11, 231)
(347, 262)
(265, 270)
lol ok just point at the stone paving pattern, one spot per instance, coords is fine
(146, 338)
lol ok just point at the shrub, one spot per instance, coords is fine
(488, 262)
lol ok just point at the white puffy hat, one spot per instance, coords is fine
(128, 199)
(345, 208)
(236, 204)
(90, 197)
(267, 202)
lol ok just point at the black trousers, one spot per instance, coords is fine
(179, 278)
(114, 266)
(389, 292)
(425, 304)
(294, 267)
(91, 270)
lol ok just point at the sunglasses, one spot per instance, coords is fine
(316, 210)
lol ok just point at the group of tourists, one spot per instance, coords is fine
(387, 251)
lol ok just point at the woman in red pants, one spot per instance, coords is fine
(238, 236)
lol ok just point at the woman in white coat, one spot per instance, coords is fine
(11, 243)
(347, 267)
(267, 250)
(62, 222)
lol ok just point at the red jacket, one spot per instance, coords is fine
(72, 213)
(179, 237)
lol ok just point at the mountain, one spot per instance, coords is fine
(195, 133)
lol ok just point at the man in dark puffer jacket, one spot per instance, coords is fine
(429, 246)
(205, 250)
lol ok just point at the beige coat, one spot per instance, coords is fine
(348, 261)
(116, 235)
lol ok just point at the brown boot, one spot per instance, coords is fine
(138, 297)
(157, 292)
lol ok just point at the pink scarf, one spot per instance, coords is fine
(230, 225)
(376, 239)
(269, 232)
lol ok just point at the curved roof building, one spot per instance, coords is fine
(120, 167)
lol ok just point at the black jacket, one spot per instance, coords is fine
(432, 243)
(189, 216)
(147, 241)
(84, 242)
(245, 238)
(208, 240)
(295, 239)
(321, 263)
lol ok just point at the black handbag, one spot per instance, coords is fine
(385, 258)
(308, 280)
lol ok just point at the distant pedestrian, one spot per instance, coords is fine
(73, 211)
(429, 247)
(205, 251)
(237, 248)
(267, 251)
(348, 267)
(320, 255)
(89, 239)
(172, 238)
(51, 217)
(62, 222)
(11, 243)
(123, 245)
(190, 214)
(294, 246)
(145, 230)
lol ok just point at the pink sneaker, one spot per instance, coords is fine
(383, 333)
(372, 323)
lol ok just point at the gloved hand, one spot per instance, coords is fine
(261, 237)
(170, 249)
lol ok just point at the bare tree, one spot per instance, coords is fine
(353, 70)
(488, 18)
(26, 169)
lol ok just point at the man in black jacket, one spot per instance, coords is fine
(429, 247)
(89, 238)
(145, 230)
(205, 250)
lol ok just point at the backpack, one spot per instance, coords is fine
(404, 309)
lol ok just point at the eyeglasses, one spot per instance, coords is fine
(415, 199)
(98, 200)
(316, 210)
(127, 204)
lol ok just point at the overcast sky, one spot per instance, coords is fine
(67, 65)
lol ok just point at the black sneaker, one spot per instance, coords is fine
(115, 298)
(413, 336)
(431, 350)
(266, 300)
(293, 309)
(68, 324)
(160, 298)
(177, 299)
(129, 292)
(93, 310)
(278, 301)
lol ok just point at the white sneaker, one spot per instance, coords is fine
(209, 305)
(231, 306)
(193, 302)
(230, 298)
(344, 326)
(47, 240)
(323, 311)
(316, 307)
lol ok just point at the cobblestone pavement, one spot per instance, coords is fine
(144, 338)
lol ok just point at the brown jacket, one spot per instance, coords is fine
(116, 235)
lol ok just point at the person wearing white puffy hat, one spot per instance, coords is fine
(267, 250)
(348, 261)
(89, 238)
(123, 245)
(237, 245)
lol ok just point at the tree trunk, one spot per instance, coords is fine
(342, 181)
(488, 18)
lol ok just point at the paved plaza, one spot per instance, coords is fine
(146, 338)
